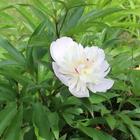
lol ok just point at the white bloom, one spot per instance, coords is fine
(80, 68)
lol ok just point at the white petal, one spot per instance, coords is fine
(63, 77)
(105, 67)
(102, 67)
(103, 86)
(62, 48)
(78, 89)
(95, 53)
(96, 73)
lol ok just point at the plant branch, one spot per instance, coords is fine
(63, 21)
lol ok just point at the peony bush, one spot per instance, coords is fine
(69, 70)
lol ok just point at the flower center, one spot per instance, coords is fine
(83, 67)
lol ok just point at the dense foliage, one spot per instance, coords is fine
(34, 104)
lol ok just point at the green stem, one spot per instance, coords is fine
(122, 103)
(57, 31)
(63, 21)
(57, 90)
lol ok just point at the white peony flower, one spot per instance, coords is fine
(81, 69)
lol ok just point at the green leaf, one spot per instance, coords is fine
(16, 75)
(6, 93)
(97, 98)
(6, 116)
(69, 114)
(135, 130)
(94, 14)
(38, 41)
(14, 130)
(80, 139)
(73, 16)
(94, 133)
(74, 110)
(101, 97)
(41, 122)
(5, 63)
(135, 80)
(71, 101)
(74, 3)
(54, 123)
(13, 52)
(37, 12)
(37, 133)
(111, 121)
(27, 15)
(63, 137)
(68, 118)
(41, 6)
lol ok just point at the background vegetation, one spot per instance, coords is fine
(34, 105)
